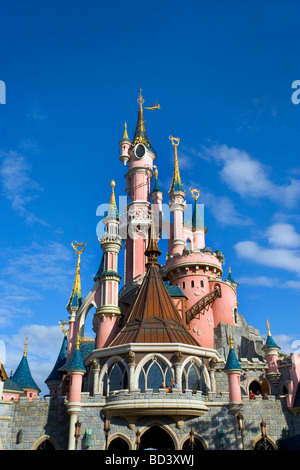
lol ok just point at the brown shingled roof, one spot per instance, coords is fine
(154, 317)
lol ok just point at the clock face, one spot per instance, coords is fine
(139, 151)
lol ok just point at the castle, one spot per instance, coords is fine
(172, 364)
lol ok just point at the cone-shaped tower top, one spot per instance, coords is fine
(176, 181)
(125, 137)
(75, 363)
(61, 360)
(112, 212)
(156, 187)
(197, 220)
(22, 375)
(270, 343)
(140, 135)
(76, 297)
(232, 362)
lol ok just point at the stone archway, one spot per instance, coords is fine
(198, 445)
(118, 445)
(157, 438)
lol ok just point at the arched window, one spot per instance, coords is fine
(202, 283)
(118, 445)
(192, 378)
(115, 378)
(153, 374)
(188, 244)
(192, 284)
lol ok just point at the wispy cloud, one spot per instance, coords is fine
(17, 185)
(281, 258)
(250, 178)
(224, 210)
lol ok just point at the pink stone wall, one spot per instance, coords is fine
(75, 388)
(234, 387)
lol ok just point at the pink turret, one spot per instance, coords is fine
(271, 352)
(108, 311)
(233, 371)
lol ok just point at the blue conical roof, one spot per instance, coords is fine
(197, 220)
(232, 362)
(61, 360)
(270, 343)
(23, 377)
(74, 364)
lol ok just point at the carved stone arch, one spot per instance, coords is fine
(106, 366)
(147, 358)
(165, 427)
(197, 436)
(131, 444)
(43, 439)
(268, 439)
(199, 362)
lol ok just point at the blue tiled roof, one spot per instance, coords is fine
(270, 343)
(232, 362)
(174, 291)
(23, 377)
(61, 360)
(100, 270)
(10, 385)
(75, 363)
(156, 187)
(197, 220)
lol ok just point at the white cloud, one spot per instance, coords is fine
(250, 178)
(224, 210)
(288, 260)
(258, 281)
(17, 186)
(283, 235)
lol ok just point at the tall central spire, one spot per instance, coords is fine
(140, 136)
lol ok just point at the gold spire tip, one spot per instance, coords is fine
(268, 326)
(195, 193)
(113, 184)
(230, 341)
(76, 245)
(26, 346)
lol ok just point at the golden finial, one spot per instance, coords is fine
(195, 193)
(268, 326)
(75, 245)
(229, 270)
(62, 325)
(140, 99)
(26, 346)
(125, 135)
(230, 341)
(77, 341)
(155, 171)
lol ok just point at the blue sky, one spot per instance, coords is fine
(222, 73)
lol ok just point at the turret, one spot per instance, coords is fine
(138, 179)
(271, 352)
(108, 311)
(233, 371)
(125, 145)
(177, 205)
(75, 369)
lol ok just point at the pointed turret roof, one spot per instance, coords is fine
(22, 375)
(112, 212)
(270, 343)
(156, 187)
(76, 297)
(100, 270)
(153, 317)
(75, 363)
(125, 137)
(232, 362)
(140, 135)
(176, 181)
(61, 360)
(197, 220)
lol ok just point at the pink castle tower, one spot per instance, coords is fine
(141, 157)
(271, 352)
